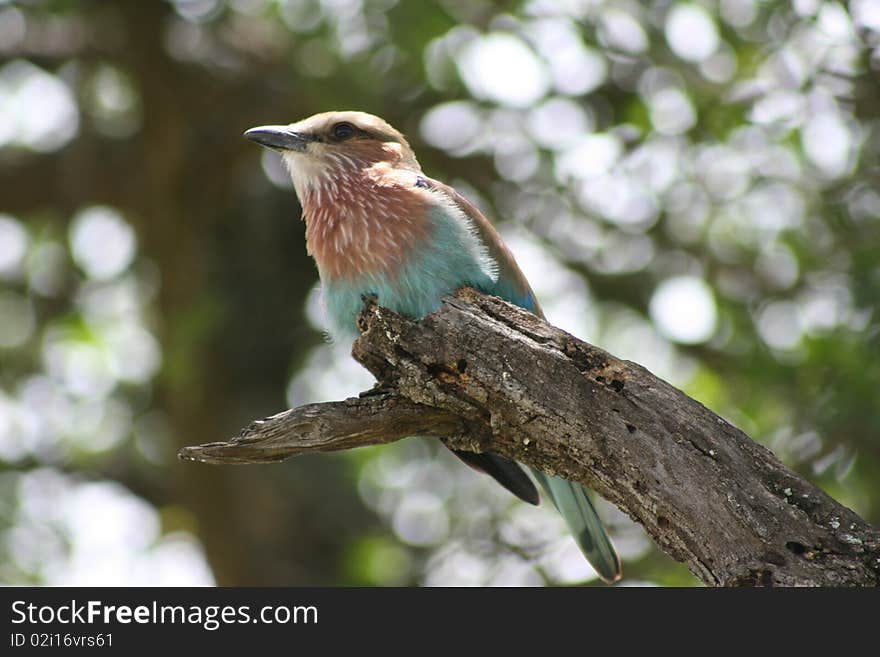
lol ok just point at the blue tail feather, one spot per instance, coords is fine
(575, 507)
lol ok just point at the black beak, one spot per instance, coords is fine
(279, 137)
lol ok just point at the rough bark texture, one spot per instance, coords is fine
(484, 375)
(375, 418)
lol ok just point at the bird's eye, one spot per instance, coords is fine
(343, 130)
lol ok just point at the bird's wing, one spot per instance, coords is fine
(570, 498)
(512, 285)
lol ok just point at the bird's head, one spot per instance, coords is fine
(327, 147)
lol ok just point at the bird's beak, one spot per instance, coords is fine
(279, 137)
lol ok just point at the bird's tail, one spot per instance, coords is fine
(573, 503)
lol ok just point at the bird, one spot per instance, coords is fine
(378, 227)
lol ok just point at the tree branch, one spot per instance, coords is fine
(484, 375)
(375, 418)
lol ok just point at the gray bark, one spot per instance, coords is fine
(483, 375)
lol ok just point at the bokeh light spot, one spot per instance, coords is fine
(619, 30)
(13, 245)
(113, 102)
(827, 143)
(454, 127)
(779, 325)
(420, 519)
(103, 244)
(683, 309)
(672, 112)
(37, 110)
(575, 68)
(554, 123)
(502, 68)
(691, 32)
(135, 355)
(588, 156)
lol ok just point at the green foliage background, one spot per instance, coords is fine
(155, 290)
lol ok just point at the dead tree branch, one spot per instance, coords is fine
(484, 375)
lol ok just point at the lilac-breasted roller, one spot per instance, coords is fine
(378, 227)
